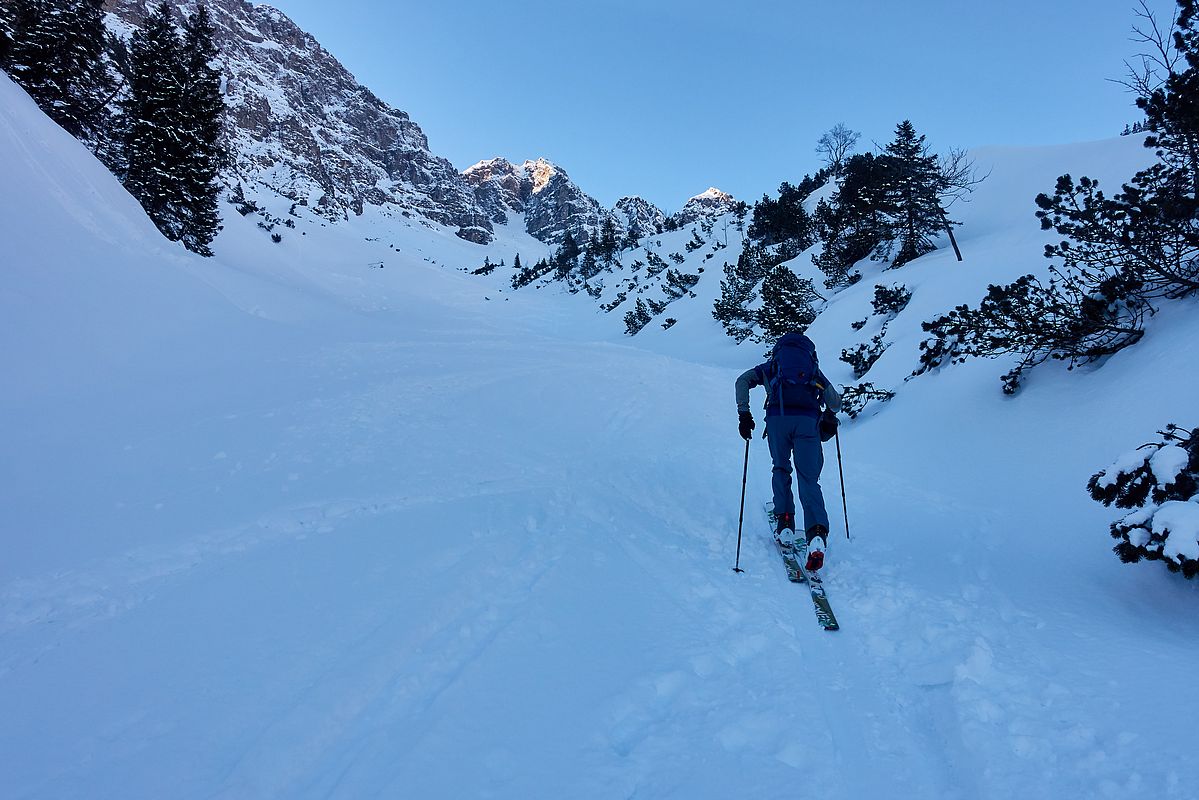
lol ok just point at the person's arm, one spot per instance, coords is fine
(748, 380)
(832, 398)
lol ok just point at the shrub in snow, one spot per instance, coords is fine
(855, 398)
(616, 301)
(1160, 480)
(862, 357)
(1075, 317)
(678, 283)
(636, 319)
(889, 301)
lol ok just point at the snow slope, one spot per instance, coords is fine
(285, 524)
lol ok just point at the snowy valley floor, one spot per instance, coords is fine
(485, 564)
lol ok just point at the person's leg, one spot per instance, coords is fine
(778, 438)
(809, 460)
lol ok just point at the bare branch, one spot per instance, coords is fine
(837, 143)
(959, 176)
(1159, 60)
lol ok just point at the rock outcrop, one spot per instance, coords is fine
(301, 126)
(550, 201)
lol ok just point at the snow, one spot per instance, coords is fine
(1132, 460)
(1180, 521)
(1168, 463)
(280, 524)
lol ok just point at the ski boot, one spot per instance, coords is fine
(817, 542)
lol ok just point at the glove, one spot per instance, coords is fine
(828, 425)
(746, 425)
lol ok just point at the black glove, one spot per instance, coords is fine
(828, 425)
(745, 425)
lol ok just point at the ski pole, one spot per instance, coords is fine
(841, 473)
(741, 519)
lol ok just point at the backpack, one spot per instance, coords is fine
(791, 376)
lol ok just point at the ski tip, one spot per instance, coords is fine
(738, 569)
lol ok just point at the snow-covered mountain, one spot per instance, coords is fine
(639, 216)
(708, 205)
(303, 128)
(541, 192)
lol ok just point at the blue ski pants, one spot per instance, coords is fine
(796, 437)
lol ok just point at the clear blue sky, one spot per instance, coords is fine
(663, 98)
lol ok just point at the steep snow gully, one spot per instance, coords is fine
(279, 527)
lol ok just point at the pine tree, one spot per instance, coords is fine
(570, 249)
(7, 25)
(607, 241)
(858, 222)
(516, 263)
(913, 184)
(786, 303)
(55, 50)
(156, 141)
(202, 115)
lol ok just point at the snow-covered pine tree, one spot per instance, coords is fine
(55, 50)
(156, 140)
(862, 357)
(637, 319)
(1161, 481)
(731, 308)
(856, 222)
(786, 303)
(202, 117)
(607, 242)
(890, 300)
(7, 24)
(913, 185)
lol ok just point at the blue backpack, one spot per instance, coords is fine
(791, 376)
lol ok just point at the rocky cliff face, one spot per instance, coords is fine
(551, 202)
(709, 205)
(301, 126)
(639, 216)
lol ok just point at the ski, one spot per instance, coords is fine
(795, 556)
(794, 573)
(824, 612)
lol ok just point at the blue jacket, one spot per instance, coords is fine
(758, 377)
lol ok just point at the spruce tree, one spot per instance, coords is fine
(913, 184)
(156, 141)
(31, 45)
(55, 50)
(786, 303)
(570, 249)
(857, 222)
(7, 25)
(202, 115)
